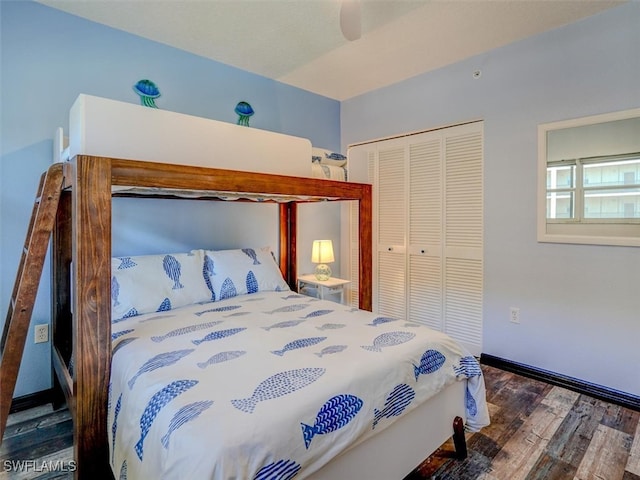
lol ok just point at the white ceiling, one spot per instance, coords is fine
(299, 42)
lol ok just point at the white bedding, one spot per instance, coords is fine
(330, 172)
(270, 385)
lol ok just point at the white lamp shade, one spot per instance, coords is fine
(322, 251)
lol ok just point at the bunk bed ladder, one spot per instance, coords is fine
(16, 325)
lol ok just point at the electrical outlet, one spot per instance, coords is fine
(514, 314)
(41, 334)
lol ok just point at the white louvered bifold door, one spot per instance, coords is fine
(425, 231)
(353, 290)
(428, 229)
(367, 176)
(463, 235)
(390, 206)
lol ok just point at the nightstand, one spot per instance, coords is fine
(309, 283)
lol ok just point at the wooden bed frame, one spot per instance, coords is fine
(81, 294)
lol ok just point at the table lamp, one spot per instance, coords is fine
(322, 253)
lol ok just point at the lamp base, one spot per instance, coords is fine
(323, 272)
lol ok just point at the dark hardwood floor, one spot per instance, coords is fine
(542, 432)
(537, 432)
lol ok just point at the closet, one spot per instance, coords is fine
(427, 228)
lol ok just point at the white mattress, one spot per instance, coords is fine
(271, 385)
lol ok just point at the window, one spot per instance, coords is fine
(589, 186)
(601, 189)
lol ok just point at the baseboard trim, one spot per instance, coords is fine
(600, 392)
(31, 400)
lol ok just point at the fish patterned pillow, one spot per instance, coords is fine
(238, 272)
(156, 283)
(327, 157)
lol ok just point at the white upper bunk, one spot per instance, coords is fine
(110, 128)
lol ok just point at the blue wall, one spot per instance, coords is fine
(579, 305)
(48, 58)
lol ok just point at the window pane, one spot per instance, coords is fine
(618, 203)
(561, 177)
(605, 174)
(560, 204)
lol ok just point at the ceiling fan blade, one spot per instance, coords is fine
(351, 19)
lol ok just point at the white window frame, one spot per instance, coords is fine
(623, 232)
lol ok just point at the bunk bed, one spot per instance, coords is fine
(83, 324)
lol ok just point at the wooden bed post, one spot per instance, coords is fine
(61, 320)
(91, 203)
(288, 245)
(366, 250)
(459, 440)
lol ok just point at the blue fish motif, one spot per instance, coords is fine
(115, 291)
(228, 289)
(289, 308)
(279, 385)
(431, 361)
(116, 335)
(165, 306)
(131, 313)
(472, 406)
(469, 367)
(184, 330)
(399, 399)
(253, 299)
(219, 309)
(251, 282)
(114, 426)
(389, 339)
(280, 470)
(157, 403)
(251, 253)
(184, 415)
(172, 267)
(156, 317)
(286, 324)
(337, 412)
(293, 295)
(317, 313)
(123, 471)
(126, 262)
(159, 361)
(381, 320)
(207, 272)
(122, 343)
(331, 326)
(218, 335)
(237, 314)
(330, 350)
(222, 357)
(301, 343)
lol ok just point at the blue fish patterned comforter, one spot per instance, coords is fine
(269, 386)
